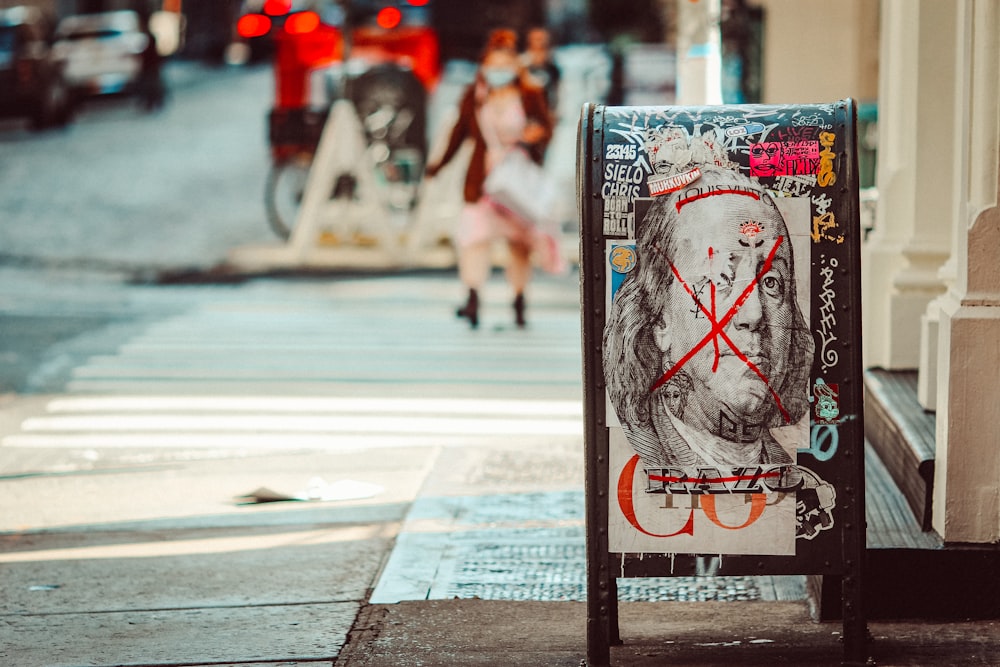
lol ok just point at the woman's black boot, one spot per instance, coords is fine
(519, 311)
(471, 309)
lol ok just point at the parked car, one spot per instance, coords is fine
(31, 82)
(102, 51)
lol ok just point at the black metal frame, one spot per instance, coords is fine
(838, 552)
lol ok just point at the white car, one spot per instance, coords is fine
(102, 52)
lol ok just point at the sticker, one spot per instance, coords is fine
(744, 130)
(814, 503)
(661, 185)
(827, 405)
(750, 230)
(784, 158)
(622, 258)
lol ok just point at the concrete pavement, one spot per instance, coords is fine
(446, 633)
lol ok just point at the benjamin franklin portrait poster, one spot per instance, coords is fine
(707, 347)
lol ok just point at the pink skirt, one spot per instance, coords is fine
(482, 222)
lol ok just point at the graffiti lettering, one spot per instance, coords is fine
(618, 216)
(624, 173)
(633, 134)
(821, 225)
(627, 506)
(708, 480)
(738, 479)
(801, 157)
(757, 505)
(822, 202)
(813, 120)
(828, 319)
(826, 176)
(617, 204)
(824, 439)
(815, 498)
(800, 132)
(625, 190)
(694, 194)
(744, 130)
(620, 152)
(795, 186)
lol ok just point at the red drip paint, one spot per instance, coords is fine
(701, 195)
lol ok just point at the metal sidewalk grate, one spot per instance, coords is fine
(529, 547)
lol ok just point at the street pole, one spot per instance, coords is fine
(699, 53)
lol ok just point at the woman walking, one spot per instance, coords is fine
(500, 111)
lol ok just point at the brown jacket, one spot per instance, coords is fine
(467, 126)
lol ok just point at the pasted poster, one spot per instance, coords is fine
(708, 346)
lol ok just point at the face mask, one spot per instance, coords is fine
(498, 77)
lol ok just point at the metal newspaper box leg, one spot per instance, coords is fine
(720, 281)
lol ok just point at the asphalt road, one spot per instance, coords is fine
(122, 196)
(126, 190)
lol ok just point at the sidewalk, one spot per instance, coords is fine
(445, 633)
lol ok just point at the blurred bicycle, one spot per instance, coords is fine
(391, 105)
(384, 68)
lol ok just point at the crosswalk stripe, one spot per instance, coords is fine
(243, 372)
(300, 423)
(329, 442)
(313, 404)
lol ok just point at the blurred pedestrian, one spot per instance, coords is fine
(500, 111)
(539, 63)
(151, 88)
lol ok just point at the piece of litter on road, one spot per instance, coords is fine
(317, 490)
(732, 643)
(264, 495)
(761, 641)
(343, 489)
(44, 587)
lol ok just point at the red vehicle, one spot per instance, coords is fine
(385, 66)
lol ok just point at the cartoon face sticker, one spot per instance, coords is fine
(766, 158)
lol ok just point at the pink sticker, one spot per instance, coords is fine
(784, 158)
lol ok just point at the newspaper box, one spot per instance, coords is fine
(723, 393)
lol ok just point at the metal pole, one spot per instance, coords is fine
(699, 53)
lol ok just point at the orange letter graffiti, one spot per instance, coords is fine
(757, 503)
(826, 175)
(625, 480)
